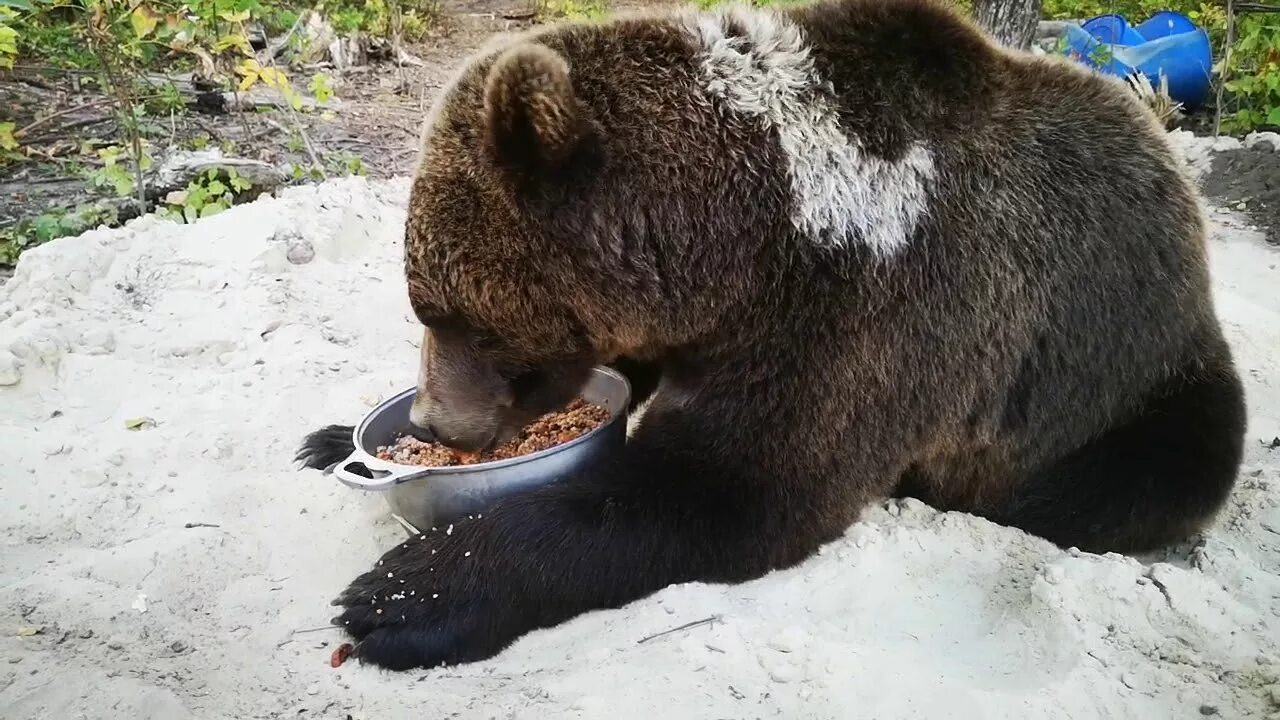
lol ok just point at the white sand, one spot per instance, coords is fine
(235, 353)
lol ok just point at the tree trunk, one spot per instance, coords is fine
(1011, 22)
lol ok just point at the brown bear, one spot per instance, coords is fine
(864, 251)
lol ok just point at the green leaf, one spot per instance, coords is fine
(144, 21)
(216, 188)
(138, 423)
(19, 4)
(1273, 117)
(46, 227)
(8, 45)
(122, 184)
(7, 140)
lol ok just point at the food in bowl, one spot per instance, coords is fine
(554, 428)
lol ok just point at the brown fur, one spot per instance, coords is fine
(580, 199)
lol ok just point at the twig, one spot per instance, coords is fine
(63, 133)
(686, 626)
(306, 139)
(1226, 67)
(128, 122)
(407, 525)
(314, 629)
(85, 106)
(200, 524)
(272, 50)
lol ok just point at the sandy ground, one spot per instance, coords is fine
(235, 336)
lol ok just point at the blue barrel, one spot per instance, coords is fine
(1113, 30)
(1167, 44)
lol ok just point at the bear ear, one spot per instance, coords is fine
(534, 120)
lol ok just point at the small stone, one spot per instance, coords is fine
(1268, 141)
(178, 646)
(1208, 710)
(313, 689)
(300, 251)
(1054, 574)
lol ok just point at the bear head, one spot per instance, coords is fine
(579, 197)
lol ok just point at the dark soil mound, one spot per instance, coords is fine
(1252, 177)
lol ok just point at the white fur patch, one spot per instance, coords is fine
(842, 193)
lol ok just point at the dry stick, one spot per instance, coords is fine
(61, 132)
(37, 123)
(406, 524)
(314, 629)
(686, 626)
(1226, 66)
(306, 139)
(128, 122)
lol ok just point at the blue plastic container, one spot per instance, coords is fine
(1113, 30)
(1167, 44)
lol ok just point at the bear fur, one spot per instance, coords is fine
(854, 249)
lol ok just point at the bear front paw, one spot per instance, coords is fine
(429, 601)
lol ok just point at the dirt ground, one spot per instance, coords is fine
(1248, 180)
(376, 116)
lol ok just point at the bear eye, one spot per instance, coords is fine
(522, 383)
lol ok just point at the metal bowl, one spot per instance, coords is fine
(427, 496)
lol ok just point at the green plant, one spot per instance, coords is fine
(8, 35)
(345, 163)
(208, 194)
(320, 87)
(571, 9)
(1253, 69)
(7, 140)
(167, 99)
(119, 176)
(48, 226)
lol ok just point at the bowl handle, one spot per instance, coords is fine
(383, 478)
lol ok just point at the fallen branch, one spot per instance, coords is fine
(314, 629)
(405, 58)
(37, 123)
(686, 626)
(64, 130)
